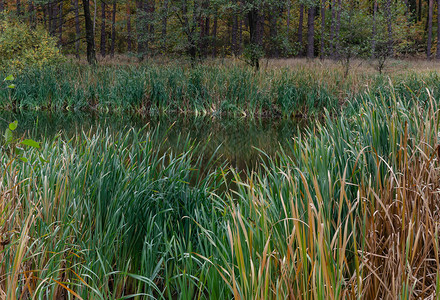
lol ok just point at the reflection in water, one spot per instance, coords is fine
(238, 138)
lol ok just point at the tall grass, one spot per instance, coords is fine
(211, 89)
(348, 210)
(152, 89)
(104, 217)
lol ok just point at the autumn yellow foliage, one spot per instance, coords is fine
(21, 46)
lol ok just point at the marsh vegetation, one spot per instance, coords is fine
(345, 207)
(204, 153)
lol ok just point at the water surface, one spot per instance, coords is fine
(237, 140)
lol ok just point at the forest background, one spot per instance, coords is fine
(249, 29)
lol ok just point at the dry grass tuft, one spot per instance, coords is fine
(402, 222)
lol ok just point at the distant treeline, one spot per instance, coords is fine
(245, 28)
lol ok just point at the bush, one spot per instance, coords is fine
(21, 46)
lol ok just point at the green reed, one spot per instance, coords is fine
(233, 90)
(109, 216)
(348, 210)
(338, 213)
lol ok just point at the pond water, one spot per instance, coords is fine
(237, 140)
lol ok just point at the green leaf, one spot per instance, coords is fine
(11, 86)
(8, 136)
(9, 78)
(13, 125)
(31, 143)
(24, 159)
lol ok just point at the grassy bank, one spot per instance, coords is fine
(299, 89)
(348, 211)
(153, 89)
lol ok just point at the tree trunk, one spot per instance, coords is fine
(50, 18)
(300, 29)
(373, 40)
(322, 29)
(390, 27)
(164, 25)
(202, 36)
(206, 35)
(31, 12)
(150, 16)
(60, 24)
(240, 28)
(18, 7)
(95, 5)
(204, 29)
(438, 30)
(332, 28)
(90, 39)
(288, 20)
(420, 11)
(203, 23)
(234, 31)
(259, 29)
(191, 47)
(129, 41)
(214, 35)
(273, 33)
(103, 39)
(55, 12)
(311, 32)
(256, 38)
(412, 7)
(45, 13)
(337, 30)
(430, 10)
(55, 18)
(112, 47)
(240, 36)
(77, 28)
(140, 29)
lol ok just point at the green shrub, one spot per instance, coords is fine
(21, 46)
